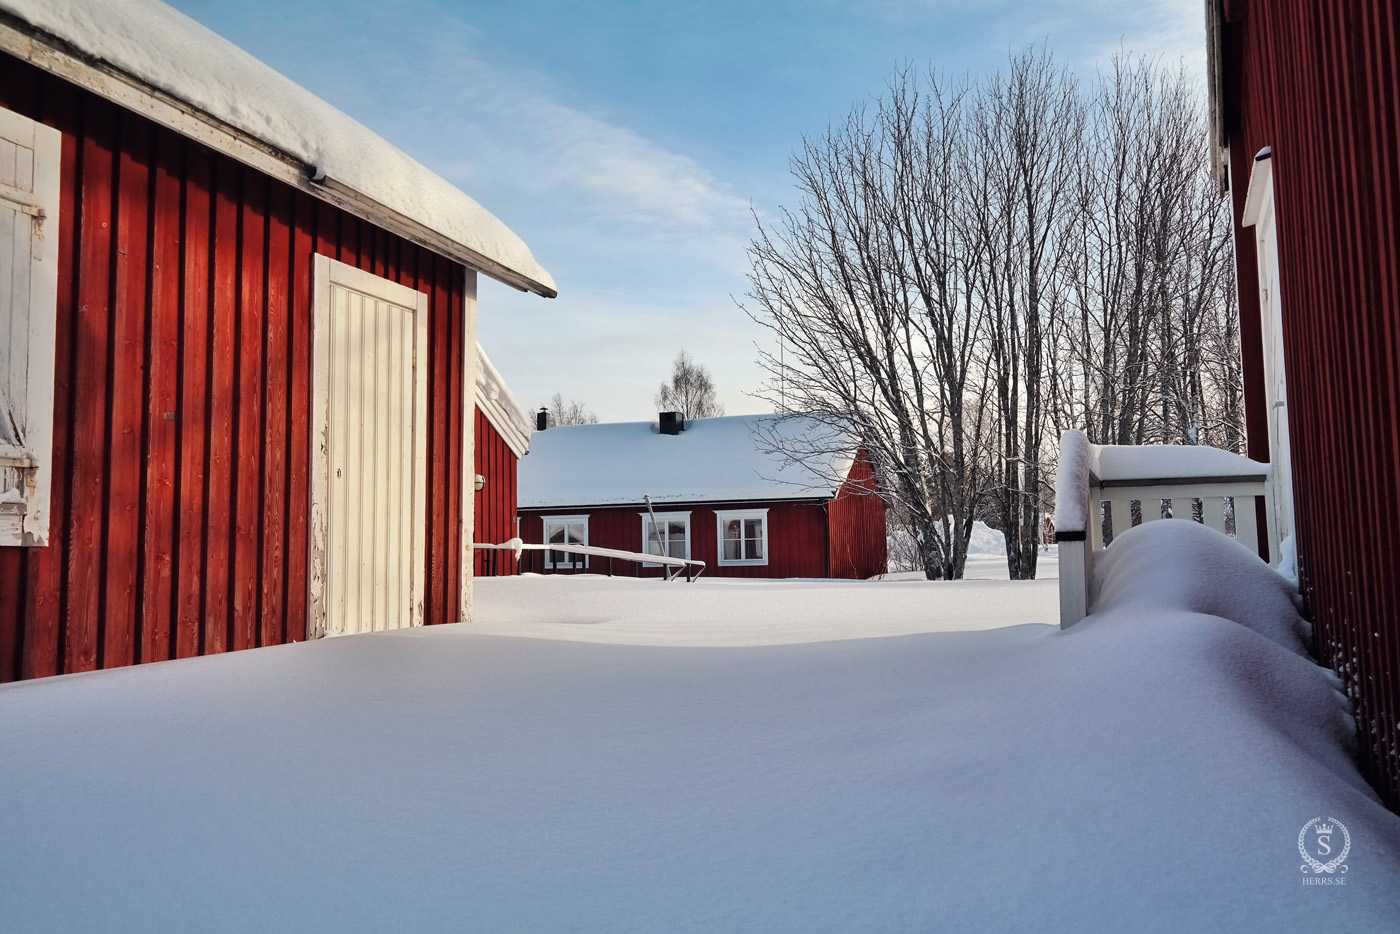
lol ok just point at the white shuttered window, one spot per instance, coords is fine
(30, 155)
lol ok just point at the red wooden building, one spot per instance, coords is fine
(236, 384)
(718, 494)
(1305, 102)
(502, 437)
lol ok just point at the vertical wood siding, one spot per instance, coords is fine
(182, 399)
(495, 504)
(859, 546)
(1317, 81)
(798, 539)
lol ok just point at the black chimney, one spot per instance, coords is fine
(542, 419)
(672, 423)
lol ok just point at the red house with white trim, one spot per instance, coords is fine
(718, 494)
(1305, 111)
(501, 438)
(237, 383)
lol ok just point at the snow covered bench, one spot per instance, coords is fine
(1119, 486)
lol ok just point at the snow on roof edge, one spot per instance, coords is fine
(499, 405)
(714, 460)
(157, 46)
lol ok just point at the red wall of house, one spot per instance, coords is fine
(797, 539)
(859, 547)
(182, 401)
(494, 521)
(1317, 81)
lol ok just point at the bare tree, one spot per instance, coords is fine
(691, 390)
(1028, 126)
(969, 271)
(572, 412)
(1148, 351)
(866, 286)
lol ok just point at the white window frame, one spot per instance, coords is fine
(663, 518)
(741, 514)
(565, 521)
(28, 466)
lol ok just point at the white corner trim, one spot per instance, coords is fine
(1261, 188)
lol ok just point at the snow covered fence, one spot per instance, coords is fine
(691, 567)
(1125, 485)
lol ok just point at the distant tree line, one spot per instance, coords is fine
(973, 267)
(571, 412)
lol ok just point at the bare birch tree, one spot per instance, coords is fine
(691, 390)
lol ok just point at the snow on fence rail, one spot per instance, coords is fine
(1119, 486)
(691, 567)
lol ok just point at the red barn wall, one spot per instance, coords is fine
(1317, 81)
(859, 547)
(180, 494)
(797, 537)
(495, 504)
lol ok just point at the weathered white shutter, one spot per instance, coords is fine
(30, 156)
(369, 452)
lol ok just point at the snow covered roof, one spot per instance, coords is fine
(500, 406)
(715, 460)
(164, 50)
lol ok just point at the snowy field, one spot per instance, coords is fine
(874, 756)
(733, 612)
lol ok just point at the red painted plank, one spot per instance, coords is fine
(163, 403)
(439, 352)
(247, 410)
(274, 509)
(13, 599)
(89, 471)
(219, 622)
(298, 415)
(195, 316)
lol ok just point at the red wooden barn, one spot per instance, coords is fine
(237, 378)
(1305, 102)
(502, 438)
(718, 491)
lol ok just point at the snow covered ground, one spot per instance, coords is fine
(591, 757)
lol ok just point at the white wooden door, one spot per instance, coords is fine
(369, 434)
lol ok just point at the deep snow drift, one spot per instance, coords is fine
(1147, 770)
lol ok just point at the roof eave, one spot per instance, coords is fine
(53, 55)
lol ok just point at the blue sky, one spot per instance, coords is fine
(628, 142)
